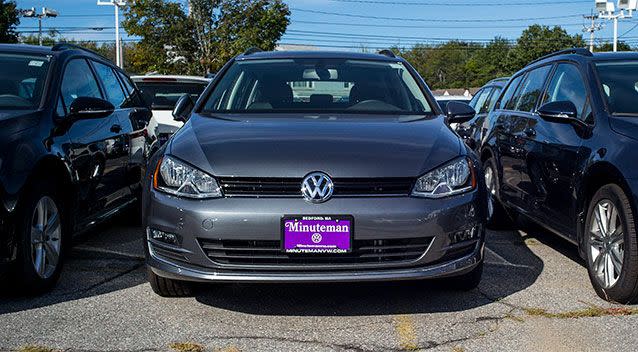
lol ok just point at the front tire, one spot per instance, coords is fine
(42, 238)
(168, 287)
(497, 216)
(612, 246)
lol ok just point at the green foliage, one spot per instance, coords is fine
(9, 19)
(622, 46)
(458, 64)
(537, 41)
(173, 41)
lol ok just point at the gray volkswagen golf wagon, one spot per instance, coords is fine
(314, 167)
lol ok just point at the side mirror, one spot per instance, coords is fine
(183, 108)
(558, 111)
(457, 112)
(83, 108)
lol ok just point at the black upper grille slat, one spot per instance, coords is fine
(255, 253)
(240, 186)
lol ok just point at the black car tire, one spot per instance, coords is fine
(168, 287)
(26, 275)
(467, 281)
(625, 289)
(499, 218)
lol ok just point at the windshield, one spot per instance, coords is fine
(620, 83)
(318, 86)
(23, 78)
(164, 95)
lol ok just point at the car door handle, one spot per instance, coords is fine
(116, 128)
(530, 132)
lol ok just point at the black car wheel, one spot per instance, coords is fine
(41, 230)
(496, 215)
(168, 287)
(611, 245)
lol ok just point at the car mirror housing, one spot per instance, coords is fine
(458, 112)
(83, 108)
(558, 111)
(183, 108)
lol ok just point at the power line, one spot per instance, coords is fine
(470, 4)
(420, 26)
(432, 19)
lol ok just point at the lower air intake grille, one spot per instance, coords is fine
(255, 253)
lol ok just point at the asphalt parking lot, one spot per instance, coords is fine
(535, 295)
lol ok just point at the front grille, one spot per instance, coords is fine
(237, 252)
(291, 187)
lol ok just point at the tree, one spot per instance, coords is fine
(537, 41)
(9, 19)
(488, 63)
(622, 46)
(204, 39)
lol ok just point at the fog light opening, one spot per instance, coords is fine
(163, 237)
(468, 234)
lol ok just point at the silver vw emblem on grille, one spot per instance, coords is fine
(317, 187)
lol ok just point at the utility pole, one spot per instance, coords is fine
(118, 48)
(607, 11)
(591, 29)
(31, 13)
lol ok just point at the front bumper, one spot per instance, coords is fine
(258, 219)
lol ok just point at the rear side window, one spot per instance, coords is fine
(493, 98)
(567, 85)
(114, 92)
(478, 103)
(78, 81)
(134, 97)
(508, 97)
(531, 89)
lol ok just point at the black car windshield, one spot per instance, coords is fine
(23, 78)
(318, 86)
(164, 95)
(620, 84)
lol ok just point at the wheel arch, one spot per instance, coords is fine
(597, 175)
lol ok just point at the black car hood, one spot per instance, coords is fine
(341, 146)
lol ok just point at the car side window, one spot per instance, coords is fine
(493, 98)
(78, 81)
(479, 103)
(475, 98)
(134, 98)
(567, 85)
(508, 97)
(532, 88)
(114, 93)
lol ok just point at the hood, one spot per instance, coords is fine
(341, 146)
(625, 125)
(14, 121)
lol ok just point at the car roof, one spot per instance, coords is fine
(261, 55)
(170, 78)
(25, 48)
(621, 55)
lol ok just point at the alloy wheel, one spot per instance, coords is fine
(606, 243)
(46, 230)
(491, 189)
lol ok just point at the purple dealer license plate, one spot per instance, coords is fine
(325, 234)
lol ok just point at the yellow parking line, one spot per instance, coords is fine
(404, 326)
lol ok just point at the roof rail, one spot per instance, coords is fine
(69, 46)
(577, 51)
(252, 50)
(387, 52)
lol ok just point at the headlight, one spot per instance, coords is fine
(175, 177)
(452, 178)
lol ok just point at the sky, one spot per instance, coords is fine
(372, 24)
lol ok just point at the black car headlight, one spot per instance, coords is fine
(455, 177)
(177, 178)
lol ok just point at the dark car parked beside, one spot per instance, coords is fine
(483, 102)
(73, 148)
(561, 150)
